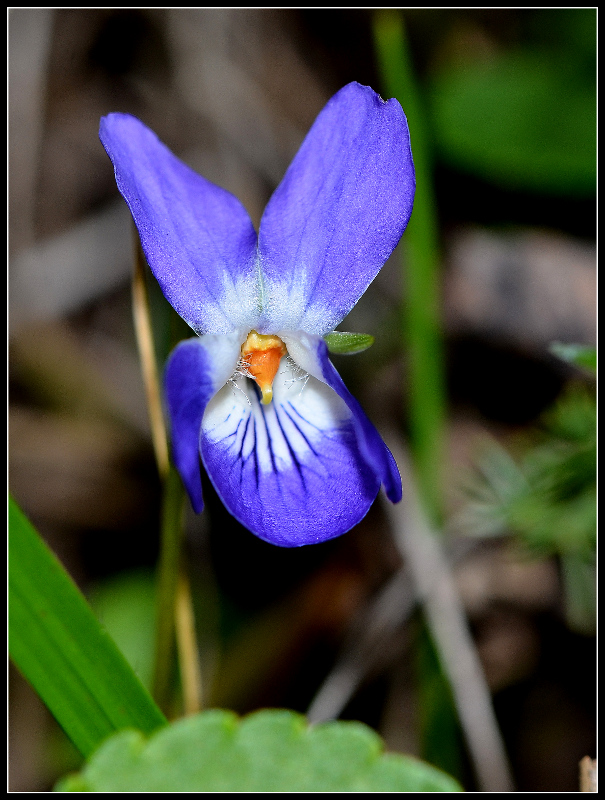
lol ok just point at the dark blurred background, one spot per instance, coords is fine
(233, 92)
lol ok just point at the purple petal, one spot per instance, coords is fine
(291, 471)
(198, 239)
(196, 369)
(311, 354)
(338, 213)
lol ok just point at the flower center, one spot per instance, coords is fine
(261, 356)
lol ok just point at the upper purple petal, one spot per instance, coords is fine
(338, 213)
(198, 239)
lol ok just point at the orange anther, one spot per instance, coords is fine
(262, 355)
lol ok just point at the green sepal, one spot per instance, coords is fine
(344, 343)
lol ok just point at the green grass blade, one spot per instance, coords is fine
(60, 648)
(423, 347)
(421, 324)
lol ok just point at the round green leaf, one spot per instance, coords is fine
(268, 751)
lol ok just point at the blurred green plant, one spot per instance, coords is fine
(547, 498)
(422, 343)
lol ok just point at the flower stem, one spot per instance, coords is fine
(174, 607)
(191, 678)
(436, 590)
(167, 583)
(144, 335)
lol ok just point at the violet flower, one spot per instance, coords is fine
(254, 395)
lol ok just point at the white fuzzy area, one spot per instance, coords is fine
(223, 354)
(302, 349)
(252, 301)
(237, 308)
(286, 308)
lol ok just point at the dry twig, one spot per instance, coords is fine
(436, 590)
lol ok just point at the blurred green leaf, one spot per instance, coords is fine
(60, 648)
(581, 355)
(269, 751)
(344, 343)
(524, 120)
(572, 30)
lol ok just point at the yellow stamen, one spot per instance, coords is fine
(262, 355)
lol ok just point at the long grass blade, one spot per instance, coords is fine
(61, 649)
